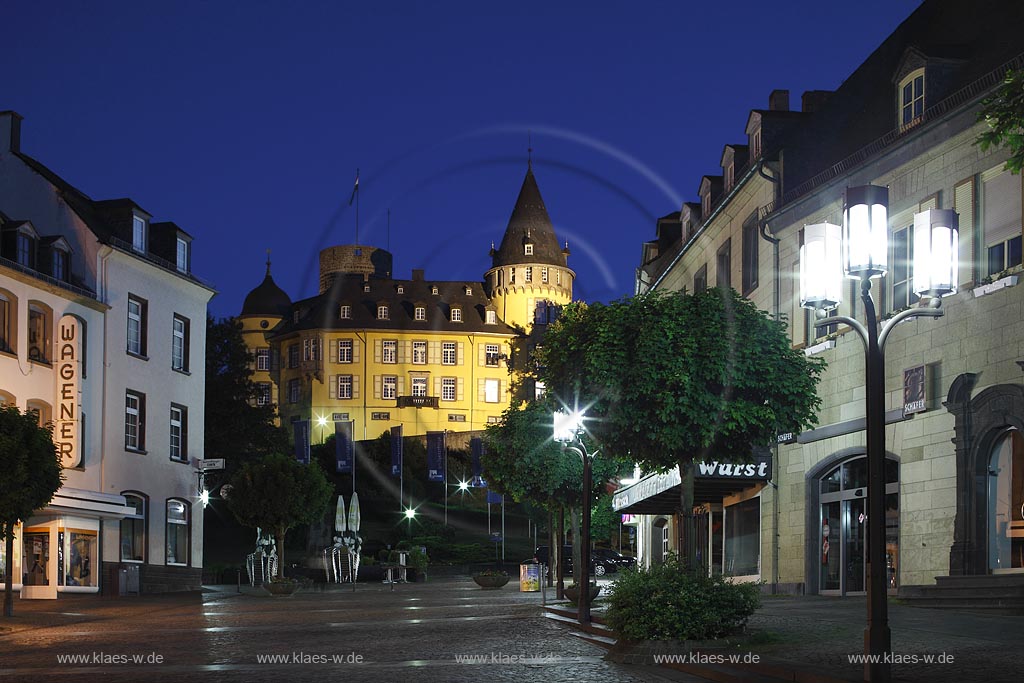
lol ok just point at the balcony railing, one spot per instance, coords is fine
(417, 402)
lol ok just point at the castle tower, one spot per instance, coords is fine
(265, 307)
(529, 271)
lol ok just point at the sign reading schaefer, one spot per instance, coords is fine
(67, 420)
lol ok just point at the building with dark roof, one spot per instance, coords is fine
(425, 354)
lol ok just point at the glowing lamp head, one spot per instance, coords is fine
(410, 513)
(321, 421)
(567, 425)
(821, 278)
(204, 497)
(865, 231)
(463, 485)
(936, 252)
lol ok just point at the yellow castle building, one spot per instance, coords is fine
(429, 355)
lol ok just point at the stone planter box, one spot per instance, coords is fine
(280, 589)
(572, 593)
(490, 581)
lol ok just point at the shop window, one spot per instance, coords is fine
(81, 554)
(177, 532)
(743, 538)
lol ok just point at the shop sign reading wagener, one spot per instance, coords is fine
(66, 423)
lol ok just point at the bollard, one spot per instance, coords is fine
(239, 572)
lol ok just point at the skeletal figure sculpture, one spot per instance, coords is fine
(262, 562)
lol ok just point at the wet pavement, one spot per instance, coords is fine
(443, 630)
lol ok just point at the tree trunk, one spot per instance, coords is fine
(552, 539)
(687, 542)
(577, 549)
(8, 530)
(279, 540)
(558, 550)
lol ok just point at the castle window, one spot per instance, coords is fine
(528, 276)
(544, 275)
(490, 317)
(529, 249)
(345, 313)
(420, 313)
(456, 315)
(382, 312)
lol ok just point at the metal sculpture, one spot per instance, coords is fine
(261, 564)
(341, 560)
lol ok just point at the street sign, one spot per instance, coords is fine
(211, 464)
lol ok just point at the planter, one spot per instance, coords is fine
(572, 593)
(279, 589)
(485, 581)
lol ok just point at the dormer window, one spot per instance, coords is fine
(184, 255)
(729, 172)
(382, 312)
(705, 203)
(433, 290)
(469, 291)
(755, 144)
(528, 247)
(345, 312)
(59, 265)
(456, 315)
(911, 99)
(139, 234)
(400, 289)
(420, 313)
(366, 287)
(490, 317)
(25, 250)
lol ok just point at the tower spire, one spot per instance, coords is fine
(268, 262)
(529, 149)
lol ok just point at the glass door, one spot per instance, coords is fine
(854, 548)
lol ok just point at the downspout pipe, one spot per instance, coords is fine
(766, 234)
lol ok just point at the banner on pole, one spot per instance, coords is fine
(435, 456)
(344, 448)
(476, 445)
(397, 451)
(302, 441)
(493, 497)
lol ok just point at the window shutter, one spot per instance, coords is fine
(506, 350)
(355, 386)
(400, 351)
(376, 350)
(437, 386)
(355, 350)
(1001, 208)
(481, 355)
(334, 350)
(401, 385)
(459, 389)
(929, 203)
(406, 356)
(376, 387)
(334, 386)
(481, 393)
(503, 391)
(459, 355)
(434, 352)
(963, 204)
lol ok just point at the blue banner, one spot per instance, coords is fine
(397, 452)
(493, 497)
(302, 441)
(476, 445)
(435, 456)
(344, 448)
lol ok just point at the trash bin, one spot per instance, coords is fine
(529, 576)
(122, 581)
(131, 574)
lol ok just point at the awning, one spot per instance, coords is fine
(659, 493)
(85, 503)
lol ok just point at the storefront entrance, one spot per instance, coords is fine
(38, 568)
(1006, 504)
(842, 544)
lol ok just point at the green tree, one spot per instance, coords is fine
(674, 379)
(278, 493)
(32, 473)
(237, 429)
(1004, 114)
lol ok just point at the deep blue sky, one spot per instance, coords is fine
(244, 122)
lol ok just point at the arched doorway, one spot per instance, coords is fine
(842, 540)
(1006, 503)
(659, 540)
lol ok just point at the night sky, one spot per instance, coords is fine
(245, 122)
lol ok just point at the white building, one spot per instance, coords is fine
(128, 413)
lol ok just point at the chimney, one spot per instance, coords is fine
(778, 100)
(417, 274)
(813, 100)
(10, 131)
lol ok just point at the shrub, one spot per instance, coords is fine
(667, 602)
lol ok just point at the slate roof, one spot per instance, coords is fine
(267, 299)
(529, 222)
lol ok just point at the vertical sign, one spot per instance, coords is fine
(344, 448)
(493, 497)
(67, 422)
(302, 441)
(913, 390)
(476, 446)
(397, 451)
(435, 456)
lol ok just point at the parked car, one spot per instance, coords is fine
(598, 565)
(618, 559)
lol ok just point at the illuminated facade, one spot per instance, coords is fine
(429, 355)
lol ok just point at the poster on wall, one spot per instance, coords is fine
(914, 390)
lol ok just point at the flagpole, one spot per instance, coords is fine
(357, 207)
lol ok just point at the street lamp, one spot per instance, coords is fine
(864, 250)
(568, 430)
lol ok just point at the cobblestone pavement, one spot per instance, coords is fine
(823, 631)
(418, 632)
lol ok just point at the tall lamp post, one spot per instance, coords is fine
(863, 251)
(568, 428)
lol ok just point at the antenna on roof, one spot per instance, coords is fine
(529, 149)
(268, 262)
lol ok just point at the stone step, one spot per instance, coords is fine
(981, 593)
(594, 629)
(982, 580)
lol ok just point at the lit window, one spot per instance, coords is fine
(344, 386)
(136, 326)
(345, 313)
(389, 387)
(382, 312)
(179, 433)
(139, 234)
(492, 353)
(389, 351)
(528, 248)
(538, 390)
(263, 393)
(311, 349)
(263, 359)
(419, 386)
(179, 344)
(420, 313)
(903, 268)
(911, 94)
(490, 317)
(456, 315)
(419, 353)
(133, 529)
(491, 390)
(134, 421)
(183, 256)
(177, 532)
(344, 350)
(448, 353)
(447, 388)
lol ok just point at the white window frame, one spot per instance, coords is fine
(449, 353)
(136, 326)
(420, 313)
(263, 359)
(263, 397)
(345, 312)
(544, 275)
(492, 389)
(389, 387)
(419, 386)
(456, 315)
(419, 353)
(492, 353)
(139, 234)
(382, 312)
(344, 387)
(389, 351)
(182, 255)
(179, 343)
(528, 249)
(528, 275)
(134, 416)
(345, 350)
(448, 389)
(179, 430)
(909, 112)
(490, 318)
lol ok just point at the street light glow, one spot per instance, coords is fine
(204, 497)
(567, 425)
(410, 513)
(463, 486)
(321, 421)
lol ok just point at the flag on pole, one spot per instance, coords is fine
(396, 451)
(344, 447)
(436, 453)
(355, 189)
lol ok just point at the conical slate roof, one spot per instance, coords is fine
(529, 223)
(267, 299)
